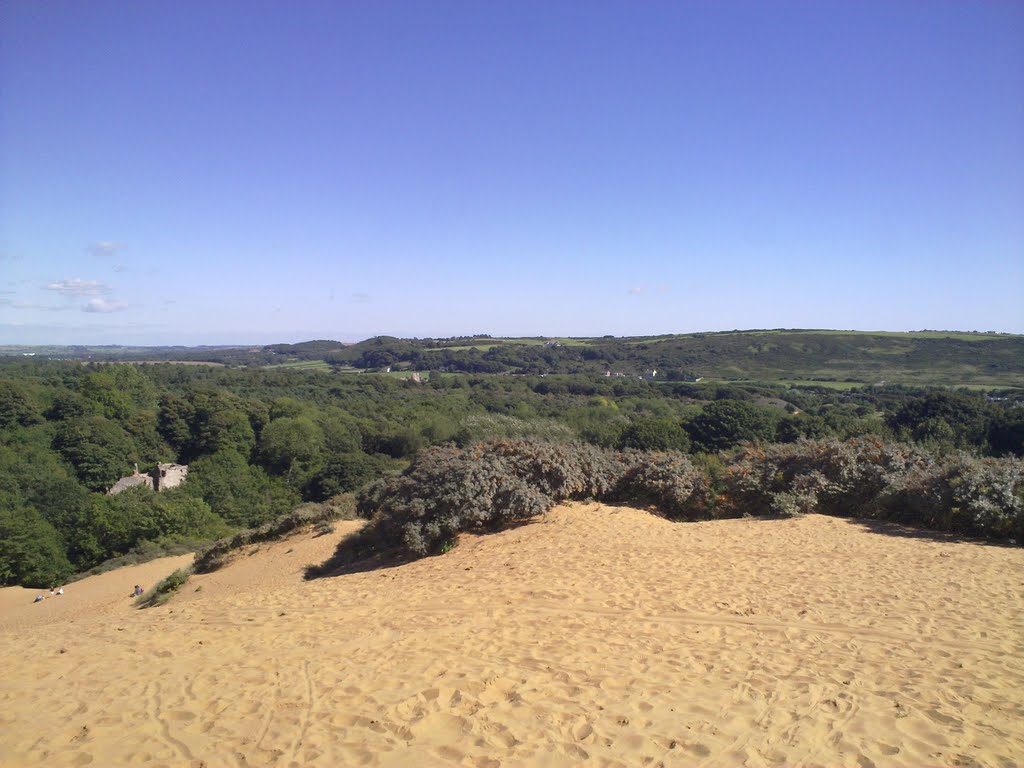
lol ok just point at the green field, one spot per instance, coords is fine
(958, 335)
(485, 344)
(464, 347)
(304, 365)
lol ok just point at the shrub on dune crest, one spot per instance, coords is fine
(447, 490)
(984, 497)
(834, 477)
(888, 481)
(494, 484)
(491, 485)
(667, 481)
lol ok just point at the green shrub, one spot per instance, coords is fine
(30, 548)
(489, 426)
(494, 484)
(726, 423)
(834, 477)
(984, 497)
(655, 434)
(667, 481)
(948, 491)
(162, 592)
(497, 483)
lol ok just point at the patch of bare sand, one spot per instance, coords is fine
(597, 636)
(104, 596)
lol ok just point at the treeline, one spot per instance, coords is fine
(491, 485)
(68, 432)
(749, 354)
(926, 357)
(261, 441)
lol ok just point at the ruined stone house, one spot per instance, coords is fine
(161, 478)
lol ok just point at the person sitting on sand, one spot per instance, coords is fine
(60, 590)
(39, 599)
(137, 591)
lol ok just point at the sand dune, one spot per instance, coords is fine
(106, 594)
(595, 636)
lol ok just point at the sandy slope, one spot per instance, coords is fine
(597, 636)
(108, 594)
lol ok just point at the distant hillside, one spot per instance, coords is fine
(226, 354)
(925, 357)
(306, 350)
(837, 356)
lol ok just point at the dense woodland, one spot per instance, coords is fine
(259, 441)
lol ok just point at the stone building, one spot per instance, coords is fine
(161, 478)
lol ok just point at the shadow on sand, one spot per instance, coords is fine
(373, 548)
(368, 549)
(887, 528)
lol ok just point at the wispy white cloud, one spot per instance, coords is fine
(7, 302)
(120, 268)
(639, 290)
(104, 306)
(77, 288)
(105, 248)
(360, 298)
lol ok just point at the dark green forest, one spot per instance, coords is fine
(260, 439)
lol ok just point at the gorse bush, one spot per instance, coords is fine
(873, 479)
(983, 497)
(495, 484)
(833, 477)
(447, 490)
(667, 481)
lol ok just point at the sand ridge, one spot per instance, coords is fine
(594, 636)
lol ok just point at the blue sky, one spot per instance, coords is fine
(218, 172)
